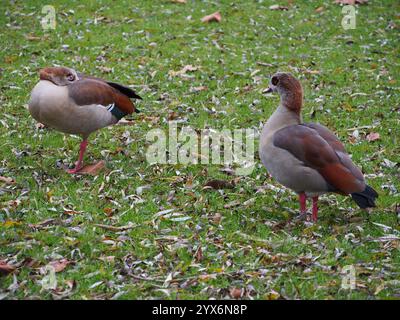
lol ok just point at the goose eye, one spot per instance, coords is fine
(274, 81)
(70, 77)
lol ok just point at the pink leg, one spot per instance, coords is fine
(79, 163)
(302, 201)
(315, 208)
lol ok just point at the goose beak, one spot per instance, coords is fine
(268, 90)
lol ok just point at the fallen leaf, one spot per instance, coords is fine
(10, 59)
(31, 37)
(236, 293)
(272, 295)
(351, 2)
(3, 295)
(178, 1)
(389, 164)
(93, 169)
(219, 184)
(10, 223)
(198, 89)
(71, 212)
(172, 116)
(113, 228)
(379, 288)
(184, 70)
(308, 71)
(96, 284)
(319, 9)
(7, 180)
(206, 277)
(216, 218)
(232, 204)
(110, 259)
(347, 106)
(214, 17)
(198, 256)
(105, 69)
(5, 268)
(59, 265)
(108, 211)
(42, 224)
(373, 136)
(278, 7)
(126, 122)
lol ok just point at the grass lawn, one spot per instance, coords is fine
(238, 242)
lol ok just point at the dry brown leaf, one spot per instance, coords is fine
(7, 180)
(351, 2)
(236, 293)
(59, 265)
(214, 17)
(93, 169)
(125, 122)
(184, 70)
(108, 211)
(5, 268)
(216, 218)
(319, 9)
(198, 89)
(198, 256)
(219, 184)
(232, 204)
(105, 69)
(308, 71)
(278, 7)
(113, 228)
(71, 212)
(42, 224)
(31, 37)
(206, 277)
(172, 116)
(373, 136)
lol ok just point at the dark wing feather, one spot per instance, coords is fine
(125, 90)
(121, 88)
(332, 162)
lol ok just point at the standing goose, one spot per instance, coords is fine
(74, 103)
(307, 157)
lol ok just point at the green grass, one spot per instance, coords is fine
(254, 247)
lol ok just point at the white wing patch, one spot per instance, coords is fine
(110, 107)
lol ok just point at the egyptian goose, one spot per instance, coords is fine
(307, 157)
(74, 103)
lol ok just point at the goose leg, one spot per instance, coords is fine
(302, 201)
(315, 208)
(79, 163)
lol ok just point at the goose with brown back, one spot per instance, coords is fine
(74, 103)
(307, 157)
